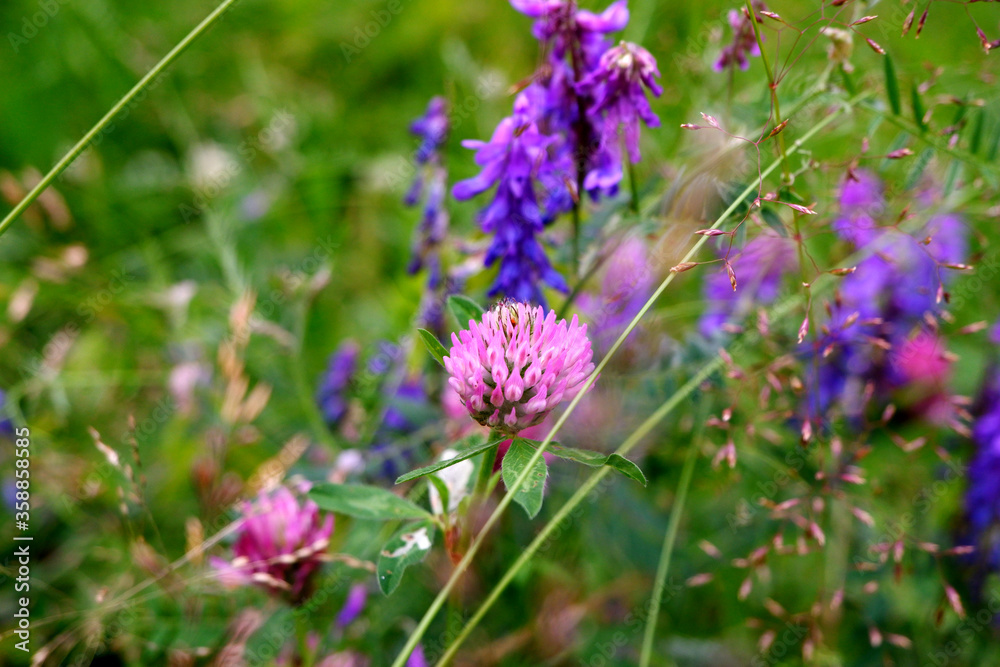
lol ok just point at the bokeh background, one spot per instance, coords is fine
(273, 156)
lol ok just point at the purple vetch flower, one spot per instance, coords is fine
(332, 393)
(982, 498)
(561, 22)
(517, 364)
(618, 84)
(759, 268)
(574, 42)
(513, 160)
(744, 40)
(280, 545)
(431, 181)
(353, 605)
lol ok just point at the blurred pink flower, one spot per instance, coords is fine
(280, 546)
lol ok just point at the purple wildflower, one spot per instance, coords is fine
(626, 284)
(562, 23)
(517, 364)
(280, 546)
(759, 269)
(332, 393)
(513, 160)
(982, 499)
(744, 40)
(575, 42)
(618, 84)
(880, 304)
(353, 605)
(417, 658)
(861, 203)
(432, 128)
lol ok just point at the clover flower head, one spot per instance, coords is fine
(280, 546)
(515, 365)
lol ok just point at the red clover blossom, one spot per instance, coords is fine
(513, 367)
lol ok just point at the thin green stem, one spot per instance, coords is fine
(634, 186)
(663, 569)
(436, 605)
(772, 86)
(486, 471)
(143, 83)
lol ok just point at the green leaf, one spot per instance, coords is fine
(773, 221)
(433, 345)
(407, 547)
(991, 152)
(891, 85)
(529, 495)
(596, 460)
(365, 502)
(472, 445)
(977, 132)
(918, 108)
(919, 166)
(626, 467)
(464, 309)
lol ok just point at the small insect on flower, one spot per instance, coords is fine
(518, 363)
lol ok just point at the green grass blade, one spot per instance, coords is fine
(144, 82)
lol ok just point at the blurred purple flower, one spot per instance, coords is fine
(861, 203)
(332, 394)
(417, 658)
(982, 499)
(353, 605)
(431, 181)
(759, 268)
(6, 425)
(880, 304)
(280, 545)
(513, 160)
(744, 40)
(517, 364)
(626, 284)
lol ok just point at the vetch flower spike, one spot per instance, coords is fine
(515, 365)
